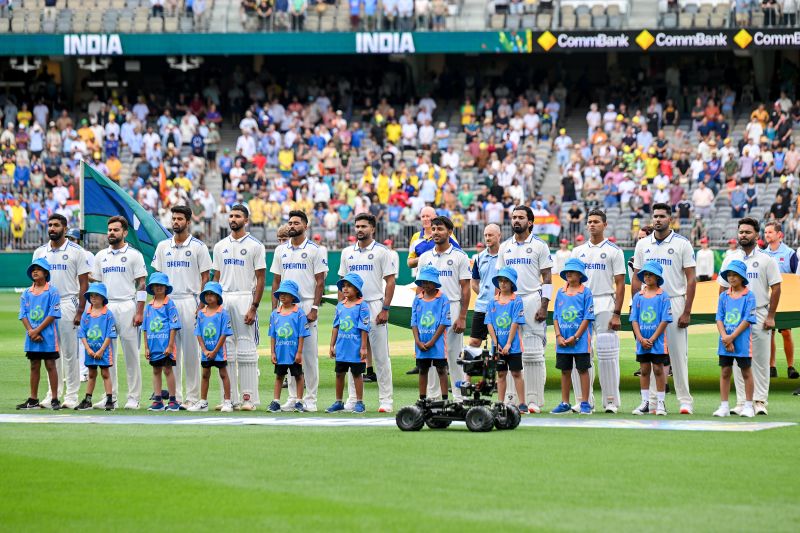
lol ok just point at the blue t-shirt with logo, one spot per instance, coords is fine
(569, 312)
(287, 329)
(427, 316)
(158, 321)
(351, 321)
(96, 329)
(36, 306)
(732, 312)
(649, 313)
(210, 328)
(501, 316)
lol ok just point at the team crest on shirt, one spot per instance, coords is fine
(188, 253)
(755, 265)
(603, 255)
(304, 255)
(371, 257)
(529, 250)
(671, 251)
(243, 252)
(124, 260)
(65, 257)
(449, 262)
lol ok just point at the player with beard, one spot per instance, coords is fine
(240, 266)
(764, 280)
(186, 261)
(530, 257)
(305, 263)
(69, 273)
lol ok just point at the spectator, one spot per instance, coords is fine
(703, 199)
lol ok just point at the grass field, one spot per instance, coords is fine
(198, 478)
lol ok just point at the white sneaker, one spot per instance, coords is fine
(737, 410)
(385, 408)
(131, 404)
(686, 409)
(226, 407)
(349, 406)
(643, 408)
(201, 406)
(661, 409)
(760, 408)
(69, 405)
(747, 412)
(576, 408)
(534, 409)
(311, 407)
(102, 404)
(48, 400)
(187, 404)
(611, 408)
(247, 405)
(288, 406)
(722, 412)
(219, 406)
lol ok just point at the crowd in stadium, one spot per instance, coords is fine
(335, 156)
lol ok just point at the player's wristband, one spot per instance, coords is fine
(315, 307)
(386, 307)
(254, 304)
(141, 296)
(547, 291)
(618, 313)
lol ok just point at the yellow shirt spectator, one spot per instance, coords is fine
(183, 182)
(257, 210)
(24, 117)
(382, 188)
(393, 132)
(285, 159)
(651, 167)
(272, 212)
(114, 166)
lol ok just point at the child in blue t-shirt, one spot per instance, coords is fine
(288, 328)
(504, 318)
(572, 316)
(349, 340)
(430, 318)
(650, 314)
(736, 313)
(97, 332)
(160, 326)
(39, 311)
(212, 328)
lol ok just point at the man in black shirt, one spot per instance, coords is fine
(778, 212)
(568, 189)
(785, 194)
(684, 208)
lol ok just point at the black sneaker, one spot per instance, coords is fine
(637, 373)
(370, 378)
(30, 403)
(109, 405)
(55, 405)
(413, 371)
(85, 405)
(773, 372)
(795, 393)
(793, 374)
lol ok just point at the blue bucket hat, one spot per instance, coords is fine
(74, 233)
(158, 278)
(41, 263)
(428, 273)
(654, 267)
(506, 272)
(212, 287)
(289, 287)
(354, 280)
(574, 265)
(737, 267)
(97, 288)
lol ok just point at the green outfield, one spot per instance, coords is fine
(198, 478)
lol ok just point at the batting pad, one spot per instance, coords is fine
(607, 349)
(576, 385)
(248, 369)
(534, 370)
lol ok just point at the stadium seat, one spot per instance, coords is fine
(513, 22)
(140, 26)
(670, 20)
(529, 21)
(94, 26)
(584, 22)
(544, 21)
(582, 10)
(706, 8)
(531, 6)
(327, 22)
(118, 4)
(568, 22)
(156, 25)
(185, 25)
(691, 8)
(757, 19)
(685, 20)
(171, 24)
(125, 25)
(722, 9)
(497, 21)
(615, 22)
(717, 21)
(599, 22)
(612, 10)
(701, 20)
(597, 10)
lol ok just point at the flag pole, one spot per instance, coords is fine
(81, 192)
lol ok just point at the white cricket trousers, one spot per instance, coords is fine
(187, 356)
(242, 348)
(68, 366)
(128, 337)
(760, 367)
(310, 360)
(453, 346)
(678, 345)
(379, 344)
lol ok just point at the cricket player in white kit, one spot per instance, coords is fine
(306, 263)
(187, 263)
(530, 257)
(122, 269)
(605, 268)
(74, 236)
(375, 264)
(240, 266)
(764, 280)
(69, 273)
(676, 256)
(454, 275)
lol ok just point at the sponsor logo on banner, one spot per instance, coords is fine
(92, 44)
(548, 40)
(385, 43)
